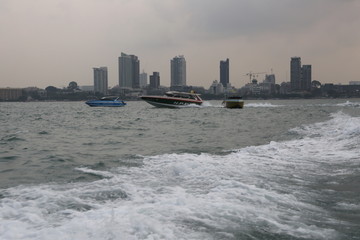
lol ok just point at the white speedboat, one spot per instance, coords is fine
(173, 99)
(106, 102)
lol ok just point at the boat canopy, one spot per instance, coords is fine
(235, 97)
(109, 98)
(182, 95)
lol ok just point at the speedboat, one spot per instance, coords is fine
(174, 99)
(106, 102)
(233, 102)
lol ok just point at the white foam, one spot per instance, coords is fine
(205, 104)
(342, 131)
(349, 104)
(209, 104)
(193, 196)
(348, 206)
(95, 172)
(262, 105)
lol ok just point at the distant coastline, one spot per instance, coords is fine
(75, 94)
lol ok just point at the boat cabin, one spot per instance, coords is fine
(183, 95)
(109, 98)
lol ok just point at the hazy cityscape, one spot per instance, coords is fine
(132, 84)
(173, 120)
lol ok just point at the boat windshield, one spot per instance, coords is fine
(109, 98)
(181, 95)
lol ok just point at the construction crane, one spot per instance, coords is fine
(251, 74)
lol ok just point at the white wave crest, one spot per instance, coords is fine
(340, 127)
(95, 172)
(197, 196)
(349, 104)
(262, 105)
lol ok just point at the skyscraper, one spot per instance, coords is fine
(295, 73)
(143, 79)
(129, 71)
(101, 80)
(155, 80)
(178, 71)
(270, 78)
(224, 72)
(306, 77)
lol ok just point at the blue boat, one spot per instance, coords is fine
(106, 102)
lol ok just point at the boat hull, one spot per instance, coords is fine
(165, 102)
(95, 103)
(234, 103)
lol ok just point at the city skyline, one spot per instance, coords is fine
(53, 43)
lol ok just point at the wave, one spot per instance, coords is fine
(336, 104)
(208, 104)
(205, 104)
(251, 105)
(17, 136)
(105, 174)
(349, 104)
(276, 190)
(341, 129)
(262, 105)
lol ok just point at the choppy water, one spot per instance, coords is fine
(273, 170)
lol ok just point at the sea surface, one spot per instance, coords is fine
(277, 169)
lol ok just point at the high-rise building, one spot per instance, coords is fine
(10, 94)
(269, 78)
(295, 73)
(129, 71)
(178, 71)
(155, 80)
(224, 72)
(300, 76)
(143, 79)
(216, 88)
(101, 80)
(306, 77)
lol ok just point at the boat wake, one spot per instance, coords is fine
(349, 104)
(277, 190)
(262, 105)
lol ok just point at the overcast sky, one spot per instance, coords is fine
(54, 42)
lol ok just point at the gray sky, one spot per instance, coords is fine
(54, 42)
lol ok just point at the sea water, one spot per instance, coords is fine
(280, 169)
